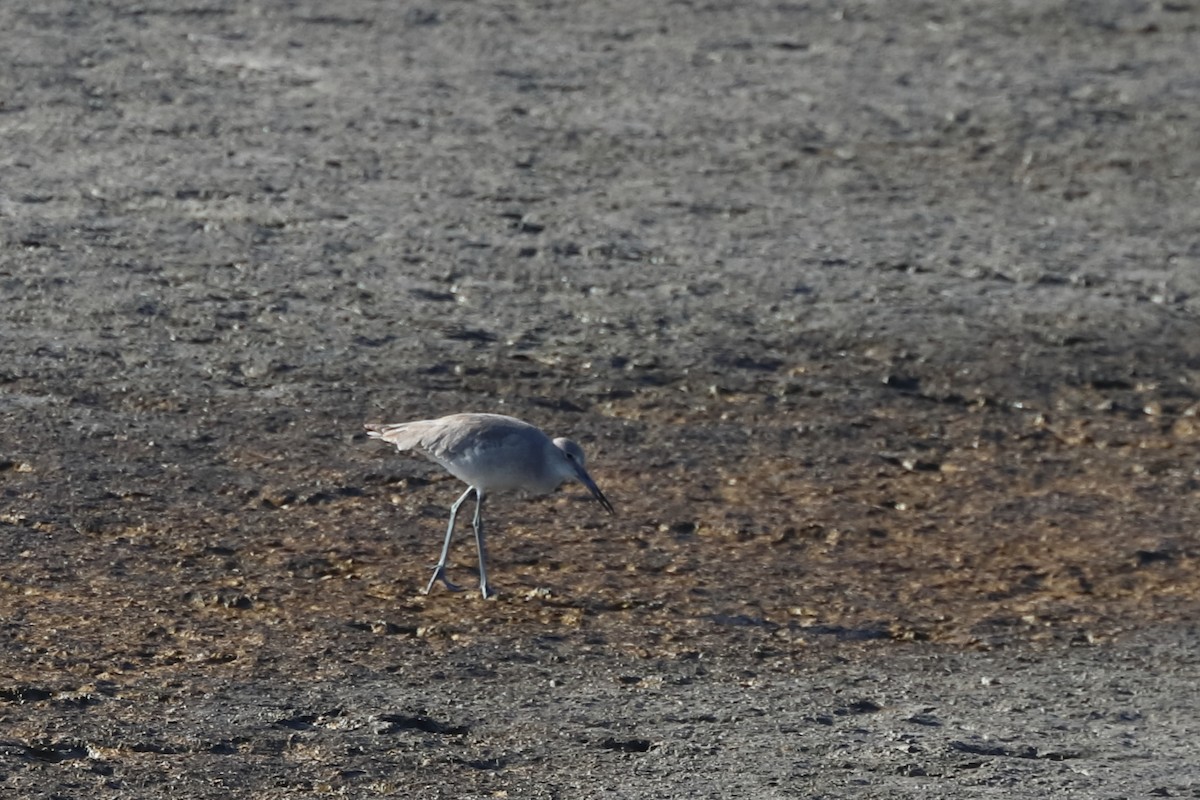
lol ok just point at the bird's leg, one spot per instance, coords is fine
(439, 572)
(478, 523)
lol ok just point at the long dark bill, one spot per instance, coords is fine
(587, 481)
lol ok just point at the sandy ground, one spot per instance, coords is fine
(878, 321)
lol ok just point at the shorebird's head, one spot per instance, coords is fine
(574, 467)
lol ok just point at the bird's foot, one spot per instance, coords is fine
(440, 575)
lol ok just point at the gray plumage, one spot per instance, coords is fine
(489, 452)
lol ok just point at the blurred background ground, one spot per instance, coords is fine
(878, 323)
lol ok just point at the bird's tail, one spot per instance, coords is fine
(401, 435)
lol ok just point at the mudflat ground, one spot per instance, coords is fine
(879, 322)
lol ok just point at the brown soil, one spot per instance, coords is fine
(879, 327)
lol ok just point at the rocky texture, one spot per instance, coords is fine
(878, 322)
